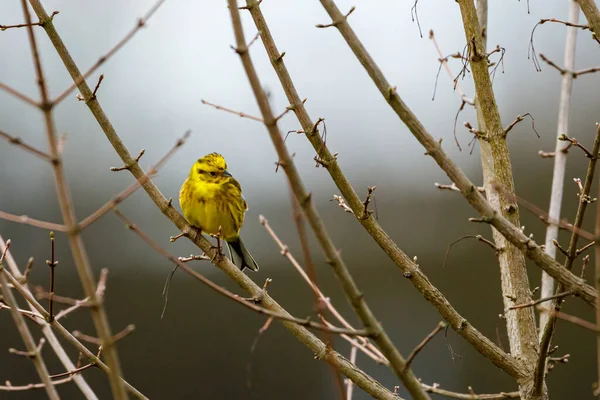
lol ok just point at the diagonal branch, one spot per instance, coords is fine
(592, 14)
(548, 329)
(18, 142)
(409, 268)
(497, 169)
(469, 190)
(354, 296)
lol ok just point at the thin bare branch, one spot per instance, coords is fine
(435, 388)
(353, 295)
(62, 355)
(63, 331)
(76, 245)
(548, 329)
(139, 24)
(18, 142)
(119, 198)
(248, 304)
(24, 219)
(440, 326)
(408, 267)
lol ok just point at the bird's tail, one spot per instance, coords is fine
(240, 256)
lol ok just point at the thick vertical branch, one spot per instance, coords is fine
(560, 156)
(362, 380)
(497, 170)
(479, 341)
(68, 212)
(354, 296)
(34, 354)
(51, 338)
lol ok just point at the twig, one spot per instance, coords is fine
(592, 14)
(261, 310)
(24, 219)
(312, 275)
(240, 114)
(546, 336)
(64, 332)
(52, 264)
(405, 263)
(435, 388)
(441, 325)
(62, 355)
(597, 285)
(576, 143)
(78, 251)
(77, 370)
(36, 357)
(32, 386)
(349, 385)
(569, 318)
(18, 142)
(109, 205)
(519, 119)
(353, 295)
(478, 237)
(342, 203)
(139, 24)
(325, 301)
(539, 301)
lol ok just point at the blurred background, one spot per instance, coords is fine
(152, 93)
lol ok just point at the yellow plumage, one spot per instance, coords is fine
(210, 199)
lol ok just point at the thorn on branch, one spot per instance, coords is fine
(336, 23)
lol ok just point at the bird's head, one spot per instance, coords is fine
(211, 168)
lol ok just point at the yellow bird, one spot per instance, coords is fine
(211, 199)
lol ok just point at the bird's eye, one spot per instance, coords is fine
(201, 171)
(213, 173)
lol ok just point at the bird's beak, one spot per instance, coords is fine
(227, 174)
